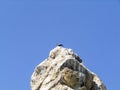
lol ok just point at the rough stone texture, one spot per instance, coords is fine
(64, 70)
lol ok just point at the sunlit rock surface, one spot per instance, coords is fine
(64, 70)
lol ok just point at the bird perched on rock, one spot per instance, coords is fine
(59, 44)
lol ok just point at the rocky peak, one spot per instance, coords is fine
(64, 70)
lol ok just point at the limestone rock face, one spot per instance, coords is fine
(64, 70)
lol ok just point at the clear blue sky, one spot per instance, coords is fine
(29, 29)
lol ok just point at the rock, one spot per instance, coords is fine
(64, 70)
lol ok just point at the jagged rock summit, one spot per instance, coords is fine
(64, 70)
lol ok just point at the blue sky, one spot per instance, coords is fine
(29, 29)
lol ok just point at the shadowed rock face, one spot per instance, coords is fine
(64, 70)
